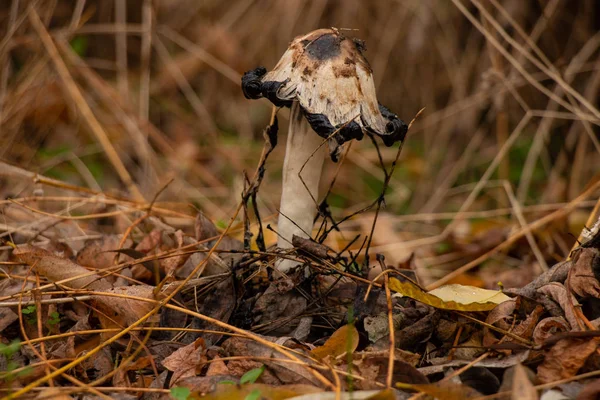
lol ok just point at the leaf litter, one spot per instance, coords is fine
(206, 315)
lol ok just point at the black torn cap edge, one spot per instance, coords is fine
(254, 88)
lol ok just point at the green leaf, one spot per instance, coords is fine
(29, 310)
(252, 375)
(253, 395)
(227, 382)
(8, 350)
(54, 318)
(180, 393)
(79, 44)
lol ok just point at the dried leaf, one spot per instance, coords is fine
(185, 361)
(443, 390)
(342, 341)
(267, 392)
(565, 358)
(217, 367)
(451, 297)
(57, 268)
(582, 280)
(559, 294)
(549, 327)
(522, 388)
(276, 372)
(119, 312)
(98, 253)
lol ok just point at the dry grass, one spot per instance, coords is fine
(113, 111)
(123, 97)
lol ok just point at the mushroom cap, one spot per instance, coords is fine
(329, 76)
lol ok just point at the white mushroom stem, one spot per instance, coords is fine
(297, 204)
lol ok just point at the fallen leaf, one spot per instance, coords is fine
(522, 388)
(119, 312)
(342, 341)
(57, 268)
(590, 391)
(548, 327)
(217, 367)
(451, 297)
(276, 372)
(582, 280)
(443, 390)
(97, 253)
(186, 361)
(565, 358)
(267, 392)
(560, 295)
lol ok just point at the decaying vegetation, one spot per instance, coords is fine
(139, 194)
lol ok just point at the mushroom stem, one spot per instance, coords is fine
(298, 208)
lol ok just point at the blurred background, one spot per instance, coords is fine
(122, 97)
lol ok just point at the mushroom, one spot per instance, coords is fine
(328, 84)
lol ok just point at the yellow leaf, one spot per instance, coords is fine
(344, 340)
(451, 297)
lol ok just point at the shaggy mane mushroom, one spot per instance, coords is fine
(327, 82)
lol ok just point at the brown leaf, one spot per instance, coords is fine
(549, 327)
(374, 368)
(267, 392)
(565, 358)
(500, 317)
(559, 294)
(217, 367)
(342, 341)
(590, 391)
(443, 390)
(522, 388)
(276, 372)
(121, 377)
(98, 253)
(57, 268)
(204, 228)
(186, 361)
(119, 312)
(582, 280)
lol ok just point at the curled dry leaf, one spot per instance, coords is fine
(582, 276)
(186, 361)
(451, 297)
(548, 327)
(559, 294)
